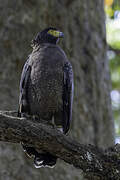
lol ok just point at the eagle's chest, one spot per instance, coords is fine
(46, 84)
(47, 75)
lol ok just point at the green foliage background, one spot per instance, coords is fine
(113, 40)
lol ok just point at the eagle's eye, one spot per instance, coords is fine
(55, 33)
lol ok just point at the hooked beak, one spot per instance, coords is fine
(61, 34)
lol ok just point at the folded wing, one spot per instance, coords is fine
(67, 96)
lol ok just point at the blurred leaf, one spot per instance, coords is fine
(115, 72)
(108, 2)
(109, 11)
(113, 33)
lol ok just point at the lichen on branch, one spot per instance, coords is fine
(95, 162)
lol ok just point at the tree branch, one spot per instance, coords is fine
(117, 51)
(95, 162)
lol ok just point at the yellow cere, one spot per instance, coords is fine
(54, 33)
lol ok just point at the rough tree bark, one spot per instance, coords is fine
(83, 25)
(97, 164)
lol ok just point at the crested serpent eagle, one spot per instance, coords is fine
(46, 89)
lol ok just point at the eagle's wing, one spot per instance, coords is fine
(23, 104)
(67, 96)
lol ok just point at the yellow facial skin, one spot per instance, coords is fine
(55, 33)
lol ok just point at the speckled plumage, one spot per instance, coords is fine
(46, 87)
(46, 82)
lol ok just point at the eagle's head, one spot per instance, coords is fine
(49, 35)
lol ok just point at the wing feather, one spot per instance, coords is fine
(67, 96)
(23, 103)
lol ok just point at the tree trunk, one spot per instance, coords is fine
(83, 25)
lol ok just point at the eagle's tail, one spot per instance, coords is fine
(40, 159)
(45, 160)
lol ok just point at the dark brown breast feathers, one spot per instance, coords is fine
(46, 80)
